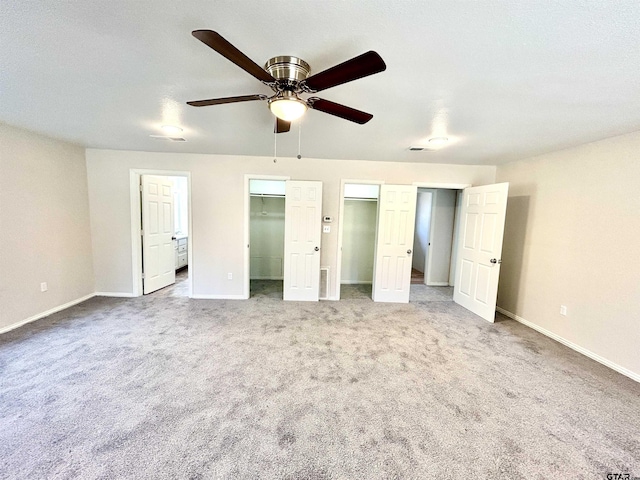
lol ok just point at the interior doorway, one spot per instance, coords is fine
(435, 243)
(359, 222)
(434, 237)
(266, 237)
(161, 232)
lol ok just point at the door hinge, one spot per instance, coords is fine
(143, 275)
(142, 233)
(140, 187)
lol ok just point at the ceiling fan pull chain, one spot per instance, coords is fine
(275, 145)
(299, 138)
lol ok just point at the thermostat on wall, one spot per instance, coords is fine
(327, 219)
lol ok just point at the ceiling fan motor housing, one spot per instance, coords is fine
(289, 71)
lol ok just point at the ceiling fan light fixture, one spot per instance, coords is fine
(287, 107)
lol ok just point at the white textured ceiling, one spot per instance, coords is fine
(507, 79)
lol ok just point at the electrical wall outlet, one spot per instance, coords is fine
(229, 276)
(563, 310)
(326, 228)
(44, 287)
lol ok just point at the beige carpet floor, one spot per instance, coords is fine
(164, 387)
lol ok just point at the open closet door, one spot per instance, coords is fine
(158, 256)
(302, 232)
(394, 244)
(482, 216)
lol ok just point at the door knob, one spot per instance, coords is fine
(409, 252)
(317, 249)
(494, 260)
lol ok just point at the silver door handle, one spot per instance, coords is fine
(494, 260)
(409, 252)
(317, 249)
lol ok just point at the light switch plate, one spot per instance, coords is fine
(326, 229)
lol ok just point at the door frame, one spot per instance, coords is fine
(136, 215)
(246, 293)
(344, 181)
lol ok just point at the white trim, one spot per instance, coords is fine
(444, 186)
(218, 297)
(136, 241)
(588, 353)
(46, 314)
(136, 254)
(439, 284)
(280, 278)
(426, 269)
(247, 218)
(355, 282)
(343, 181)
(115, 294)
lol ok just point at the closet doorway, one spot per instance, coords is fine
(266, 237)
(359, 223)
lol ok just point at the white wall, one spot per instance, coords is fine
(358, 240)
(442, 217)
(44, 220)
(266, 237)
(422, 229)
(571, 237)
(217, 194)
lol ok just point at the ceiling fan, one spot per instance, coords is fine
(288, 77)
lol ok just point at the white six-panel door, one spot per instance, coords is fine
(158, 256)
(482, 218)
(394, 244)
(302, 233)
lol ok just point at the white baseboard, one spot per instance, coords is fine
(267, 278)
(438, 284)
(588, 353)
(355, 282)
(219, 297)
(46, 314)
(115, 294)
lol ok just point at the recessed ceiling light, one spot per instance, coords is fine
(438, 141)
(171, 129)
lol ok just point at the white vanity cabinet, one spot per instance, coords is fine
(180, 245)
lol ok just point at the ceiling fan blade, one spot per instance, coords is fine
(231, 53)
(339, 110)
(358, 67)
(282, 126)
(220, 101)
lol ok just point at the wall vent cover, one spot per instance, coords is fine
(324, 283)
